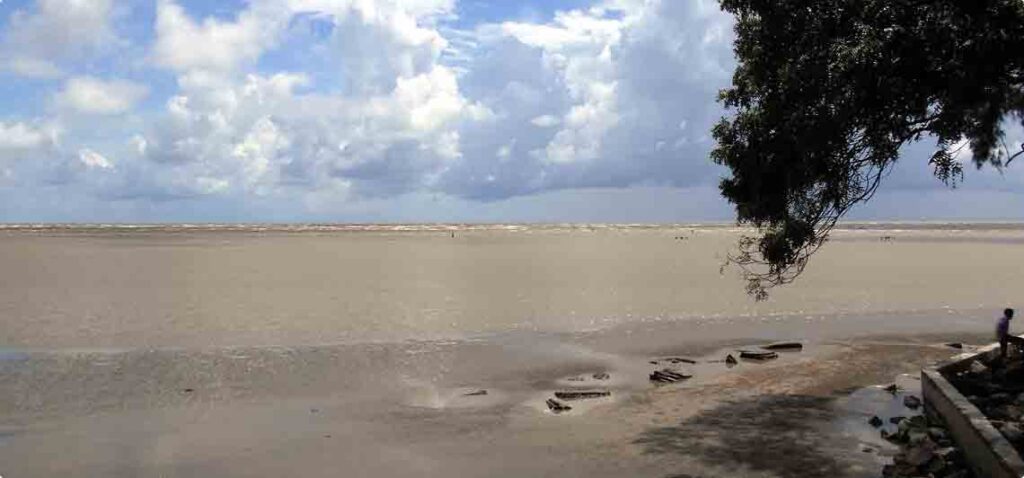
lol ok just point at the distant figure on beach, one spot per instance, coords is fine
(1003, 333)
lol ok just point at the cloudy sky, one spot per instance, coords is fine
(386, 110)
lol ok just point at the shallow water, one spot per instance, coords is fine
(88, 288)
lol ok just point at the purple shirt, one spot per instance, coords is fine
(1002, 327)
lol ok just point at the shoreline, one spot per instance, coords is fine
(321, 421)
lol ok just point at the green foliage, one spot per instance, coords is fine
(825, 94)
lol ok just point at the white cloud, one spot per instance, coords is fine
(93, 160)
(35, 41)
(221, 46)
(20, 137)
(90, 95)
(546, 121)
(288, 105)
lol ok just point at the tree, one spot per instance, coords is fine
(825, 94)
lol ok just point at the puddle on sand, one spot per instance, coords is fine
(856, 409)
(12, 355)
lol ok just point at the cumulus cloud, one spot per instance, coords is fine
(90, 95)
(23, 137)
(185, 44)
(309, 105)
(35, 41)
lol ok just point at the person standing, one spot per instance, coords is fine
(1003, 332)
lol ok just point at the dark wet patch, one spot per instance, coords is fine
(6, 436)
(10, 355)
(779, 434)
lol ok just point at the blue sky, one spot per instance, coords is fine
(387, 110)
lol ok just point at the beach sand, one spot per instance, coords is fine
(231, 390)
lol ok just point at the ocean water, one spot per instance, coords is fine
(129, 287)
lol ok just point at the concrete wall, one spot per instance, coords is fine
(987, 451)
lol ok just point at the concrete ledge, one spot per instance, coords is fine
(988, 453)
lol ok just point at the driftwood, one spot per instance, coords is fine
(581, 394)
(755, 355)
(784, 346)
(557, 407)
(668, 376)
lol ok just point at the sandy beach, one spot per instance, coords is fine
(111, 370)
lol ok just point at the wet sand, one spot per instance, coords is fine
(232, 390)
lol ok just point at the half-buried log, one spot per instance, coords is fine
(557, 407)
(784, 346)
(581, 394)
(668, 376)
(757, 355)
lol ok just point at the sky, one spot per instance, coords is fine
(388, 111)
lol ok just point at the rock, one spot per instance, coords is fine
(936, 433)
(653, 362)
(916, 437)
(575, 379)
(897, 420)
(668, 376)
(784, 346)
(188, 390)
(920, 454)
(893, 389)
(912, 402)
(478, 393)
(557, 407)
(601, 376)
(314, 410)
(917, 422)
(1013, 432)
(955, 345)
(679, 360)
(1005, 412)
(1001, 397)
(581, 394)
(875, 422)
(935, 466)
(891, 437)
(978, 368)
(730, 360)
(754, 355)
(951, 455)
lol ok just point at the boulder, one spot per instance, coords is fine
(896, 420)
(955, 345)
(601, 376)
(912, 402)
(875, 421)
(478, 393)
(730, 360)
